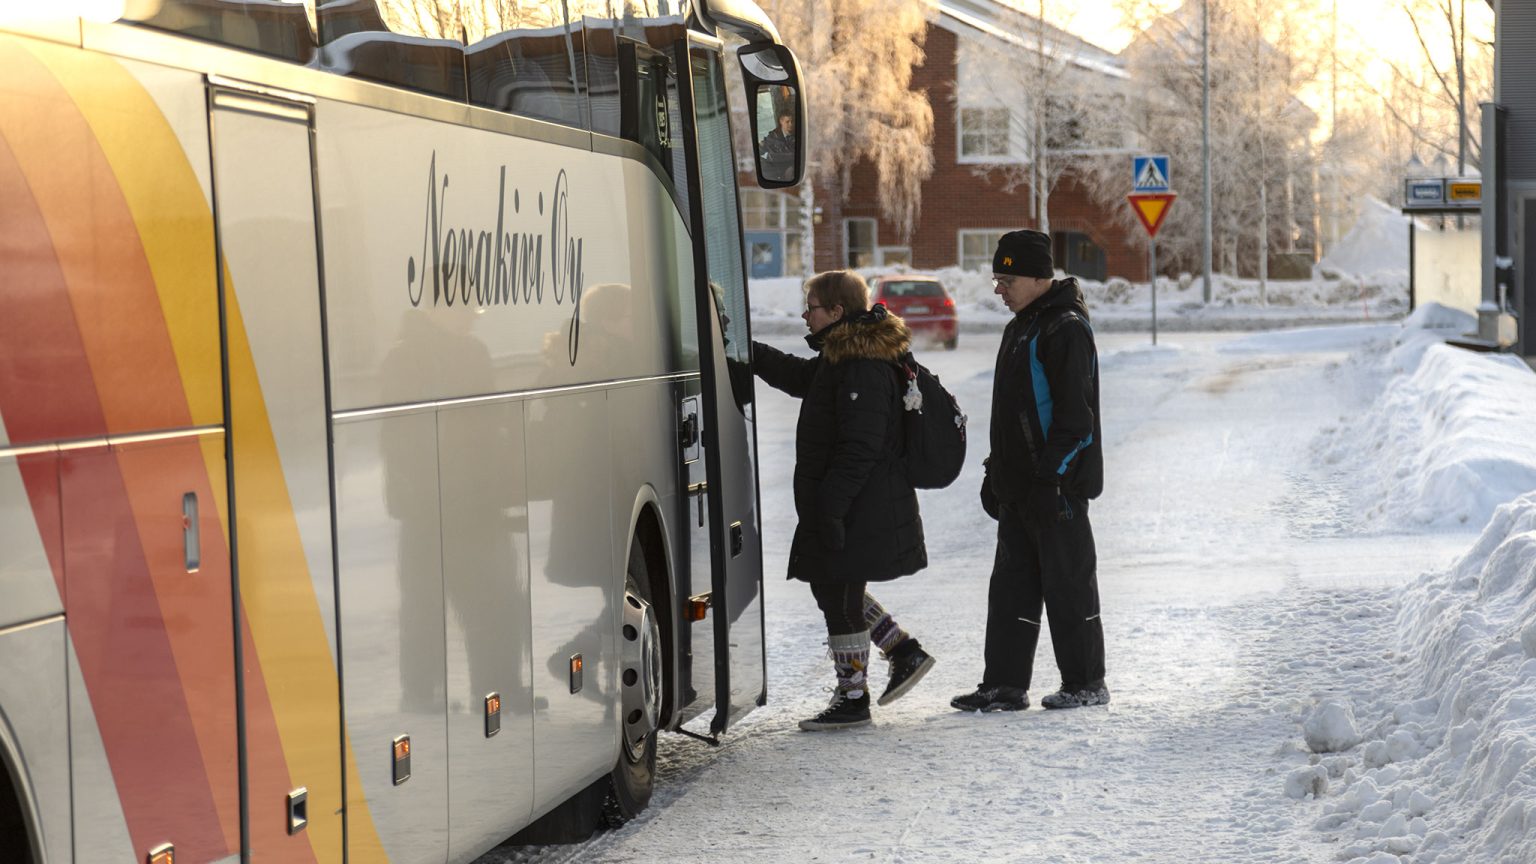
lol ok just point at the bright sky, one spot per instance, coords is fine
(1378, 31)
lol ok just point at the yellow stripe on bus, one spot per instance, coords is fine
(172, 216)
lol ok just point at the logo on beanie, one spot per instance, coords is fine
(1007, 262)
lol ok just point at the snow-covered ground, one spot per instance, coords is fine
(1319, 595)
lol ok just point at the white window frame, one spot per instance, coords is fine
(1013, 152)
(960, 236)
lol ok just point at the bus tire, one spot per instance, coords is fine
(641, 685)
(15, 833)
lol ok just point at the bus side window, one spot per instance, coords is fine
(522, 60)
(414, 45)
(282, 28)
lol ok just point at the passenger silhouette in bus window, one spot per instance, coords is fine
(778, 147)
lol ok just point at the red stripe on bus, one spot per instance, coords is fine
(47, 390)
(196, 607)
(119, 634)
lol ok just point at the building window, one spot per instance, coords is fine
(976, 248)
(1077, 254)
(774, 232)
(859, 241)
(984, 134)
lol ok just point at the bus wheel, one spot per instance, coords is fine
(640, 678)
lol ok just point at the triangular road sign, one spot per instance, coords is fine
(1152, 209)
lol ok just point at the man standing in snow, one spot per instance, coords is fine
(1044, 467)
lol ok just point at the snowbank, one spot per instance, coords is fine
(1117, 304)
(1448, 776)
(1444, 769)
(1377, 244)
(1446, 442)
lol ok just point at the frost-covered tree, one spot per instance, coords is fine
(856, 57)
(1262, 158)
(1070, 99)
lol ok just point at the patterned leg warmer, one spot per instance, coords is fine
(850, 656)
(883, 629)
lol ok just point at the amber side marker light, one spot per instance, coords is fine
(165, 853)
(576, 667)
(492, 714)
(698, 607)
(402, 766)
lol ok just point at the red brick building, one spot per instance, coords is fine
(962, 212)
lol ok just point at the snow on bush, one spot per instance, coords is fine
(1447, 441)
(1449, 777)
(1118, 301)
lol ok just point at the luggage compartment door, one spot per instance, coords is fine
(264, 204)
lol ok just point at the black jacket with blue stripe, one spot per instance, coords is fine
(1045, 400)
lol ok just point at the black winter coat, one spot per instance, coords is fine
(848, 465)
(1045, 400)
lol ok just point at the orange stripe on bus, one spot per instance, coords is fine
(137, 384)
(167, 201)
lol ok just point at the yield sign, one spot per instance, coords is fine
(1151, 209)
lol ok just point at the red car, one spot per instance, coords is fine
(923, 303)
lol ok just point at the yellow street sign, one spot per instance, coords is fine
(1464, 191)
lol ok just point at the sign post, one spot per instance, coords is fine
(1151, 196)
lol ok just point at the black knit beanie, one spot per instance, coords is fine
(1024, 253)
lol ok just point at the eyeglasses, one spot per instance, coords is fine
(810, 306)
(1002, 281)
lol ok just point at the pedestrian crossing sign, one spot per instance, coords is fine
(1150, 174)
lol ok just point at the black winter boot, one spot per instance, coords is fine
(992, 697)
(845, 712)
(909, 663)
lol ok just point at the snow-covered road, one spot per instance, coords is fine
(1235, 595)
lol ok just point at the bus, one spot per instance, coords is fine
(377, 439)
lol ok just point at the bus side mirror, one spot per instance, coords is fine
(776, 102)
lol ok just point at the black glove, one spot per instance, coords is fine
(1043, 500)
(832, 535)
(988, 497)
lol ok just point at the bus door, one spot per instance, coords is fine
(729, 427)
(280, 471)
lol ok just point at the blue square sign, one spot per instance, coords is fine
(1150, 174)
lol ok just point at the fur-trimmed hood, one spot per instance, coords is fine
(872, 335)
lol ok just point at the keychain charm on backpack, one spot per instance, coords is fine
(913, 401)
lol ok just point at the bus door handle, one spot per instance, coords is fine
(699, 489)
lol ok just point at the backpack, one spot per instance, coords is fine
(934, 449)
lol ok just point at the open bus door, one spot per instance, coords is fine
(729, 427)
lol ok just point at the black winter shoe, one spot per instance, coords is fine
(843, 713)
(997, 697)
(908, 666)
(1077, 697)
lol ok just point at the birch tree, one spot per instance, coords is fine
(856, 59)
(1261, 158)
(1434, 98)
(1063, 108)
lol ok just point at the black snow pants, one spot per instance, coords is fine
(1053, 563)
